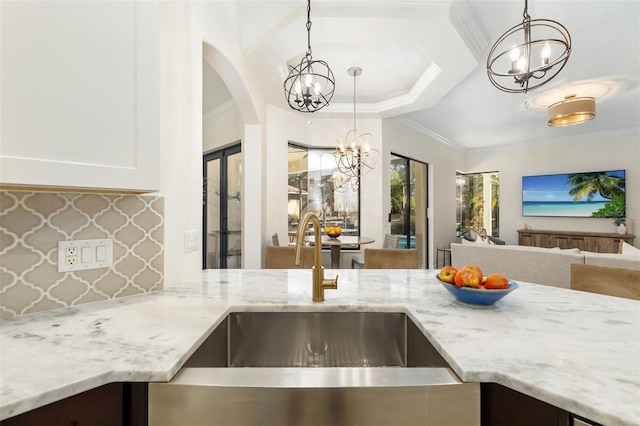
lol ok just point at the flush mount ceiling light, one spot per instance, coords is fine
(310, 85)
(356, 153)
(571, 111)
(528, 55)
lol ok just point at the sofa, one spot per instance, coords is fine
(549, 266)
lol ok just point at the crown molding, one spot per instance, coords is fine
(431, 134)
(561, 140)
(218, 110)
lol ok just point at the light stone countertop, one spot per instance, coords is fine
(575, 350)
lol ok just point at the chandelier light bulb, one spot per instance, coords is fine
(514, 54)
(546, 52)
(522, 64)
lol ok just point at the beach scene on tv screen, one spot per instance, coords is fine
(592, 194)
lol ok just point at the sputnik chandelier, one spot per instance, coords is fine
(356, 153)
(511, 63)
(310, 85)
(342, 182)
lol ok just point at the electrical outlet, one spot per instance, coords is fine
(84, 254)
(70, 256)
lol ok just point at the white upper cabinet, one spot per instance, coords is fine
(80, 94)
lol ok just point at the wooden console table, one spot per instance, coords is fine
(599, 242)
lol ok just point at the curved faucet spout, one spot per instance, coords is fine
(319, 283)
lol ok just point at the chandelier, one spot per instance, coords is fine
(310, 85)
(342, 182)
(571, 111)
(356, 153)
(511, 64)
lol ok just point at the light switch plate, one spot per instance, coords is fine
(191, 241)
(79, 255)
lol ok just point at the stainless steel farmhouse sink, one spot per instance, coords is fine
(315, 368)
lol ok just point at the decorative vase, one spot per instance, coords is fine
(622, 229)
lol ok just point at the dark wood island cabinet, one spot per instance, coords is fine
(597, 242)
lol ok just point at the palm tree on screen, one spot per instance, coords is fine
(590, 184)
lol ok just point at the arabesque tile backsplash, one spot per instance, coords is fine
(32, 223)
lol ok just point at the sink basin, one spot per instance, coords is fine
(316, 339)
(315, 368)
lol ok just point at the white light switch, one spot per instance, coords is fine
(101, 253)
(86, 254)
(191, 241)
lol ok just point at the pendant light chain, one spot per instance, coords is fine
(354, 100)
(309, 28)
(525, 14)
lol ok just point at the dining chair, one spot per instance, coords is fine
(619, 282)
(390, 259)
(390, 242)
(282, 257)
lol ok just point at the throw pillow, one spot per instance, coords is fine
(481, 241)
(628, 249)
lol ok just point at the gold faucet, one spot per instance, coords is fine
(319, 283)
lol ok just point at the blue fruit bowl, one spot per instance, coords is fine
(334, 235)
(477, 296)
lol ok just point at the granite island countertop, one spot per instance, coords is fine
(575, 350)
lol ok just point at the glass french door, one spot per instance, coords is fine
(408, 214)
(222, 209)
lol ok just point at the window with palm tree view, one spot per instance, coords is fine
(478, 206)
(315, 185)
(408, 216)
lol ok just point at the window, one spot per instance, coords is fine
(316, 186)
(477, 199)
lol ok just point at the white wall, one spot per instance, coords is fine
(590, 153)
(222, 127)
(181, 155)
(443, 160)
(185, 27)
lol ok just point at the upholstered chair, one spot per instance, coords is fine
(282, 257)
(389, 242)
(390, 259)
(619, 282)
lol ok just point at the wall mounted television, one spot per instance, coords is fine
(589, 194)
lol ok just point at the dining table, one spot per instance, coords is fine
(336, 245)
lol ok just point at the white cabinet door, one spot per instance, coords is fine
(80, 94)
